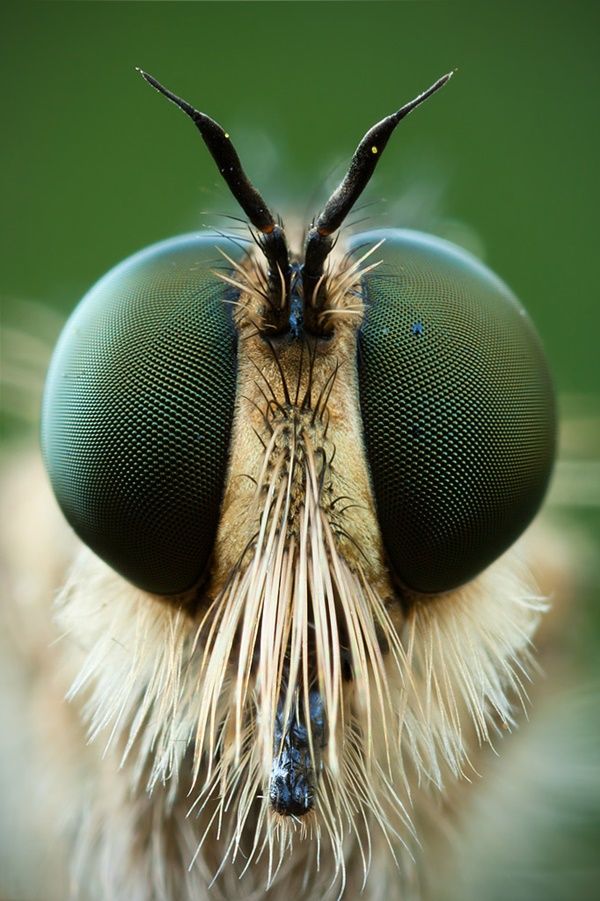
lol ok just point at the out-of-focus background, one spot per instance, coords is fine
(504, 161)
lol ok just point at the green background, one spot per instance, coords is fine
(504, 160)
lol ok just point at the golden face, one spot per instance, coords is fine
(300, 467)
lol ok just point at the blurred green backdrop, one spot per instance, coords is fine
(505, 160)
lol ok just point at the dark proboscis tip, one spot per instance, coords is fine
(297, 748)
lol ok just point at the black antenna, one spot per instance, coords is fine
(272, 240)
(319, 241)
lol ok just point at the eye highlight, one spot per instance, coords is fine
(457, 406)
(137, 412)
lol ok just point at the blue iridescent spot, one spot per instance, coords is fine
(417, 328)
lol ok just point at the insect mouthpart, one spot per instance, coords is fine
(296, 754)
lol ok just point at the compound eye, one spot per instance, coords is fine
(137, 412)
(457, 406)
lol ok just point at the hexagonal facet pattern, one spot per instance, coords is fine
(138, 409)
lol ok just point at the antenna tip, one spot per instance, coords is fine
(153, 82)
(150, 79)
(446, 78)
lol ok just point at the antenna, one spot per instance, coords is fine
(272, 240)
(362, 165)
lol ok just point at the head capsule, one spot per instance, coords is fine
(454, 393)
(362, 427)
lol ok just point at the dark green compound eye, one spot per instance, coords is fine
(457, 406)
(138, 408)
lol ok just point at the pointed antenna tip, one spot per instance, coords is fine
(444, 79)
(152, 81)
(155, 83)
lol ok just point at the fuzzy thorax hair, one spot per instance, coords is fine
(197, 699)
